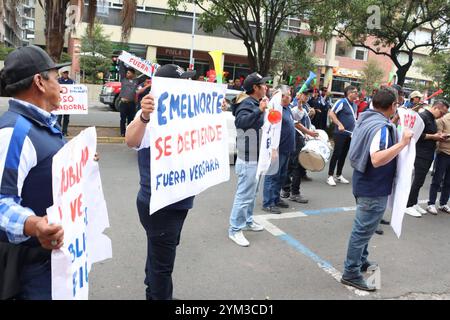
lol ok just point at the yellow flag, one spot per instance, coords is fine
(217, 56)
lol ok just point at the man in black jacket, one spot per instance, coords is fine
(425, 147)
(248, 110)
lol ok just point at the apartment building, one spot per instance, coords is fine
(17, 22)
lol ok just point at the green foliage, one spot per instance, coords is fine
(435, 66)
(4, 51)
(372, 74)
(65, 57)
(446, 83)
(292, 56)
(99, 50)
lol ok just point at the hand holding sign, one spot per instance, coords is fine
(407, 135)
(147, 105)
(50, 236)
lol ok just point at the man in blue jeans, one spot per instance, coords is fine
(248, 109)
(273, 182)
(372, 154)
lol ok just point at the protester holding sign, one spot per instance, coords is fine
(65, 118)
(248, 110)
(372, 154)
(163, 227)
(30, 138)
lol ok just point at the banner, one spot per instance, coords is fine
(405, 166)
(188, 140)
(141, 65)
(270, 139)
(74, 99)
(79, 206)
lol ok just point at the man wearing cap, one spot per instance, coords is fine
(414, 99)
(30, 138)
(163, 227)
(65, 118)
(248, 109)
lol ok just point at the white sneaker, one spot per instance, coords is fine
(239, 238)
(445, 208)
(419, 209)
(341, 179)
(331, 182)
(253, 227)
(432, 209)
(413, 212)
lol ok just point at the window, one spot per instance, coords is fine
(361, 54)
(341, 49)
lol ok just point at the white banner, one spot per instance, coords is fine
(141, 65)
(188, 140)
(79, 206)
(74, 99)
(405, 165)
(270, 139)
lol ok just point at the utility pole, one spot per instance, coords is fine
(191, 57)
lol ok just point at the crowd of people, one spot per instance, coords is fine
(31, 137)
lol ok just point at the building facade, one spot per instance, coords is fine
(17, 23)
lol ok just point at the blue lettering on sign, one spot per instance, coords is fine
(174, 106)
(170, 179)
(162, 108)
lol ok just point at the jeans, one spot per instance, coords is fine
(369, 211)
(127, 113)
(341, 146)
(421, 167)
(65, 122)
(163, 230)
(36, 281)
(244, 200)
(273, 183)
(441, 172)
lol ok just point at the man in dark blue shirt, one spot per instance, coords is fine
(64, 79)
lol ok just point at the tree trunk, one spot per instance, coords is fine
(401, 74)
(55, 26)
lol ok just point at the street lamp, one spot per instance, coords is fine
(191, 57)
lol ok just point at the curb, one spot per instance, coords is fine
(116, 140)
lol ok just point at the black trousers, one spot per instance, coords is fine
(163, 230)
(127, 113)
(421, 167)
(341, 146)
(65, 122)
(295, 170)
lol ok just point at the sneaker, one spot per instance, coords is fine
(298, 198)
(282, 204)
(253, 227)
(445, 208)
(284, 194)
(358, 283)
(369, 266)
(273, 210)
(341, 179)
(419, 209)
(331, 182)
(385, 221)
(413, 212)
(379, 231)
(239, 238)
(432, 209)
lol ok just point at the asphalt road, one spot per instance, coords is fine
(301, 263)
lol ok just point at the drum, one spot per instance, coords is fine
(314, 155)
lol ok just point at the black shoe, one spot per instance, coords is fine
(385, 221)
(369, 266)
(298, 198)
(273, 210)
(379, 231)
(284, 194)
(282, 204)
(360, 284)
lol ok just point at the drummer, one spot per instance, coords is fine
(291, 186)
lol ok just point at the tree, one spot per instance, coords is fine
(392, 23)
(255, 22)
(435, 66)
(55, 21)
(373, 74)
(446, 83)
(291, 56)
(98, 50)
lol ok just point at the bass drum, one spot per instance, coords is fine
(314, 155)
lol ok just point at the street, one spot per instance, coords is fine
(303, 261)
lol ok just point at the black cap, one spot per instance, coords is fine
(25, 62)
(252, 79)
(174, 71)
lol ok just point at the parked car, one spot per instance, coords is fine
(110, 94)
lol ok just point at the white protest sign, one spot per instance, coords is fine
(79, 206)
(141, 65)
(188, 140)
(74, 99)
(405, 164)
(270, 139)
